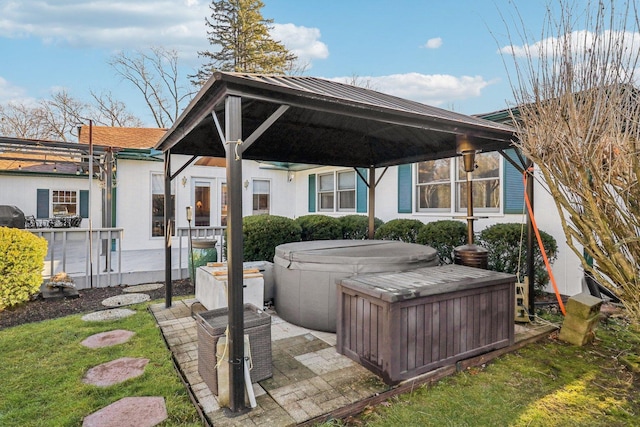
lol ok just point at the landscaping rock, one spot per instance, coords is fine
(126, 299)
(105, 315)
(129, 412)
(115, 372)
(143, 288)
(109, 338)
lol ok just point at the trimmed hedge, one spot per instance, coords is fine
(319, 227)
(504, 244)
(21, 262)
(356, 227)
(262, 233)
(405, 230)
(443, 236)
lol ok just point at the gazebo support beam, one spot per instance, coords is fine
(233, 132)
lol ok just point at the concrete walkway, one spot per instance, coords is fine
(311, 382)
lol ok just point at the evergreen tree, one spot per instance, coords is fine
(241, 34)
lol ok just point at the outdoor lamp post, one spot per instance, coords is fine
(189, 218)
(470, 254)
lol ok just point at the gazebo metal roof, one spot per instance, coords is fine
(326, 123)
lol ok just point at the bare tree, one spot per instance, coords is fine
(62, 114)
(22, 120)
(58, 117)
(108, 111)
(579, 121)
(155, 74)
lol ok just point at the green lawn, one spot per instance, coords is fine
(549, 383)
(42, 365)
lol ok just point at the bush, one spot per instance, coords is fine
(443, 236)
(262, 233)
(319, 227)
(356, 227)
(21, 262)
(405, 230)
(504, 244)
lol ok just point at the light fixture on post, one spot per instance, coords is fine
(191, 262)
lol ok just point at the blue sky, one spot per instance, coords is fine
(442, 53)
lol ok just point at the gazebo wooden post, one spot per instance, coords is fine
(233, 133)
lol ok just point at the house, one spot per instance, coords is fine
(429, 191)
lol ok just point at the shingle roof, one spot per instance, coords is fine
(121, 137)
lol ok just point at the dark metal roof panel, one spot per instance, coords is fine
(327, 123)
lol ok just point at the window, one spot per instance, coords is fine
(157, 205)
(434, 185)
(486, 183)
(345, 193)
(325, 192)
(261, 196)
(64, 202)
(437, 189)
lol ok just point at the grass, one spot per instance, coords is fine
(43, 364)
(549, 383)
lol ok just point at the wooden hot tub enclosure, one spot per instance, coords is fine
(403, 324)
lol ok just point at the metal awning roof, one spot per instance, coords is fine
(326, 123)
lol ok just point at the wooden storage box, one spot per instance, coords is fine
(212, 325)
(400, 325)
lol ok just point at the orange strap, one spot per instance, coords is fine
(544, 253)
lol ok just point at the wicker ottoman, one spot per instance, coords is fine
(212, 325)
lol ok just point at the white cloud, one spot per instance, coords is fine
(124, 25)
(303, 41)
(9, 92)
(607, 41)
(431, 89)
(433, 43)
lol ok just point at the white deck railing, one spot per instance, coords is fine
(82, 243)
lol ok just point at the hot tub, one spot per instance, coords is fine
(305, 274)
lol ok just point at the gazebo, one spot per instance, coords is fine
(306, 120)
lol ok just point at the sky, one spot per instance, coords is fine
(441, 53)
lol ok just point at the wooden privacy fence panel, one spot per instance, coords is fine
(400, 325)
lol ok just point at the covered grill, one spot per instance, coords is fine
(11, 216)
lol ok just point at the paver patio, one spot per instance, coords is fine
(310, 379)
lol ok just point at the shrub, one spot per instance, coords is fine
(443, 236)
(319, 227)
(504, 244)
(405, 230)
(356, 227)
(21, 262)
(262, 233)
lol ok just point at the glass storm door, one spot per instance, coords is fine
(202, 197)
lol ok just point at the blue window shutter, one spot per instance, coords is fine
(42, 203)
(84, 203)
(404, 189)
(513, 186)
(361, 191)
(312, 192)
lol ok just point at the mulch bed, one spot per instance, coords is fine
(89, 300)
